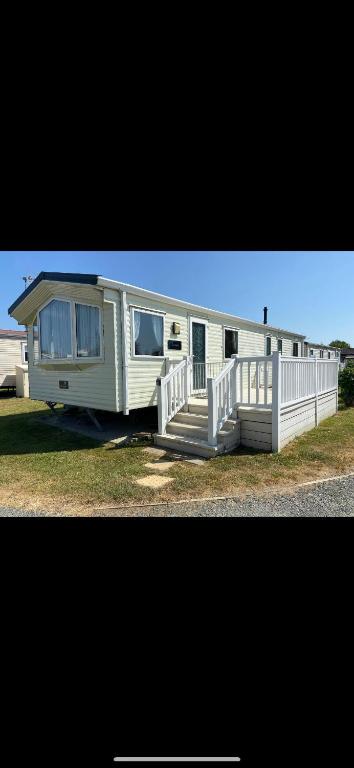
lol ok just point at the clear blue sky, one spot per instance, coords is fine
(308, 292)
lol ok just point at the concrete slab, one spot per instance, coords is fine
(160, 466)
(117, 429)
(154, 481)
(156, 453)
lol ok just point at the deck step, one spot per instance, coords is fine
(199, 419)
(185, 445)
(196, 408)
(184, 429)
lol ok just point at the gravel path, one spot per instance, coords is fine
(334, 498)
(330, 499)
(9, 512)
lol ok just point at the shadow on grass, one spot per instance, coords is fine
(7, 394)
(40, 432)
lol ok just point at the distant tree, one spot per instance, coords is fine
(339, 344)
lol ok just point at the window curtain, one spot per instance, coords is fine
(157, 325)
(137, 324)
(55, 330)
(87, 331)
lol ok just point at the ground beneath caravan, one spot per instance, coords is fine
(47, 469)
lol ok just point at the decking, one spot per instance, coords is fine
(260, 403)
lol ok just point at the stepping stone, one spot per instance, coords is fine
(154, 481)
(157, 453)
(198, 462)
(161, 466)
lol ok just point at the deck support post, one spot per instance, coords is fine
(212, 415)
(161, 396)
(276, 401)
(316, 393)
(187, 376)
(234, 390)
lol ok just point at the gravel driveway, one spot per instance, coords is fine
(334, 498)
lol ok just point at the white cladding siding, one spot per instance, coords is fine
(256, 428)
(90, 385)
(300, 418)
(10, 356)
(143, 372)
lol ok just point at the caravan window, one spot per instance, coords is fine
(280, 345)
(269, 346)
(295, 349)
(68, 331)
(55, 330)
(88, 333)
(24, 353)
(148, 330)
(231, 343)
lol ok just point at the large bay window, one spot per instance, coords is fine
(148, 330)
(68, 331)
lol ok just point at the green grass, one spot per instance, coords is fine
(46, 467)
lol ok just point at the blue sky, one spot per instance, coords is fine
(308, 292)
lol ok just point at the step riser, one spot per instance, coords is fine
(201, 409)
(182, 430)
(163, 441)
(198, 420)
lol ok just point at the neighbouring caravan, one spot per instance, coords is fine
(102, 344)
(13, 352)
(321, 351)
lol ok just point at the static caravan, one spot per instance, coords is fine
(321, 351)
(103, 344)
(218, 380)
(13, 352)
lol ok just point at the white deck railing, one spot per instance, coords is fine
(173, 392)
(221, 400)
(273, 382)
(254, 381)
(304, 377)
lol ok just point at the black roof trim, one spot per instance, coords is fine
(61, 277)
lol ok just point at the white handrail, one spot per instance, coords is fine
(221, 399)
(173, 391)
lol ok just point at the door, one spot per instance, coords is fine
(198, 350)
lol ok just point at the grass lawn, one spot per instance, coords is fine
(42, 467)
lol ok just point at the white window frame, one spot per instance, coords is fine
(24, 345)
(282, 344)
(230, 328)
(132, 334)
(74, 357)
(321, 354)
(312, 352)
(298, 350)
(201, 321)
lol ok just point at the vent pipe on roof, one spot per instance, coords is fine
(265, 319)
